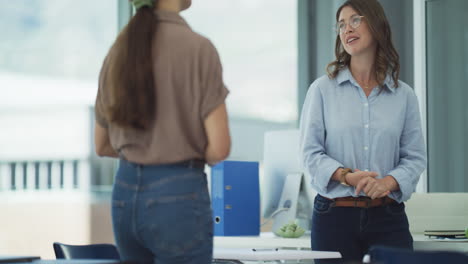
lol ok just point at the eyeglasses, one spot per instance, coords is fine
(354, 22)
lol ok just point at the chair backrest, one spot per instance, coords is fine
(93, 251)
(388, 255)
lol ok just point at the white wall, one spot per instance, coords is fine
(31, 221)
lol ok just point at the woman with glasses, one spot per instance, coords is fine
(361, 139)
(160, 109)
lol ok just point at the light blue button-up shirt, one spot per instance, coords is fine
(341, 127)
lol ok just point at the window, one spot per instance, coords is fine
(257, 43)
(50, 55)
(447, 112)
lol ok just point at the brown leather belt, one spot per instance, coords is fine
(362, 202)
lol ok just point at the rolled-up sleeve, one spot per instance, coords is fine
(213, 89)
(314, 158)
(413, 157)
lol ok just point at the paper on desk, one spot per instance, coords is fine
(281, 254)
(446, 239)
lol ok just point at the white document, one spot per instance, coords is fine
(272, 254)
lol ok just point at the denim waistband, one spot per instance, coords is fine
(189, 164)
(130, 173)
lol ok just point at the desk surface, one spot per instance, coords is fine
(422, 242)
(281, 254)
(16, 259)
(269, 240)
(76, 261)
(265, 240)
(37, 260)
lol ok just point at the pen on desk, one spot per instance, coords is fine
(264, 249)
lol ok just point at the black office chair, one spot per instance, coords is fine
(389, 255)
(93, 251)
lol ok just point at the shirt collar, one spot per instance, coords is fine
(170, 17)
(345, 75)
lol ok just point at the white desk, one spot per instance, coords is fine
(422, 242)
(265, 240)
(225, 248)
(269, 240)
(247, 254)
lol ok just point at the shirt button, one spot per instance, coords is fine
(366, 125)
(366, 148)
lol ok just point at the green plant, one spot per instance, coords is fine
(290, 230)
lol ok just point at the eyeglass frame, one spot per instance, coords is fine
(338, 30)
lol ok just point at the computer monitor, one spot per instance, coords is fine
(282, 158)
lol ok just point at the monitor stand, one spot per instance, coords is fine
(292, 204)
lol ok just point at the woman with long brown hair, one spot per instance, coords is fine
(160, 109)
(361, 139)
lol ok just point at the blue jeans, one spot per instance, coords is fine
(162, 214)
(352, 230)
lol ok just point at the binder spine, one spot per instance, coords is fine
(217, 199)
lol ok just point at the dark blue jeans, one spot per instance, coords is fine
(352, 230)
(162, 214)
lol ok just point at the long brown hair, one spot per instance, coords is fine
(130, 80)
(387, 58)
